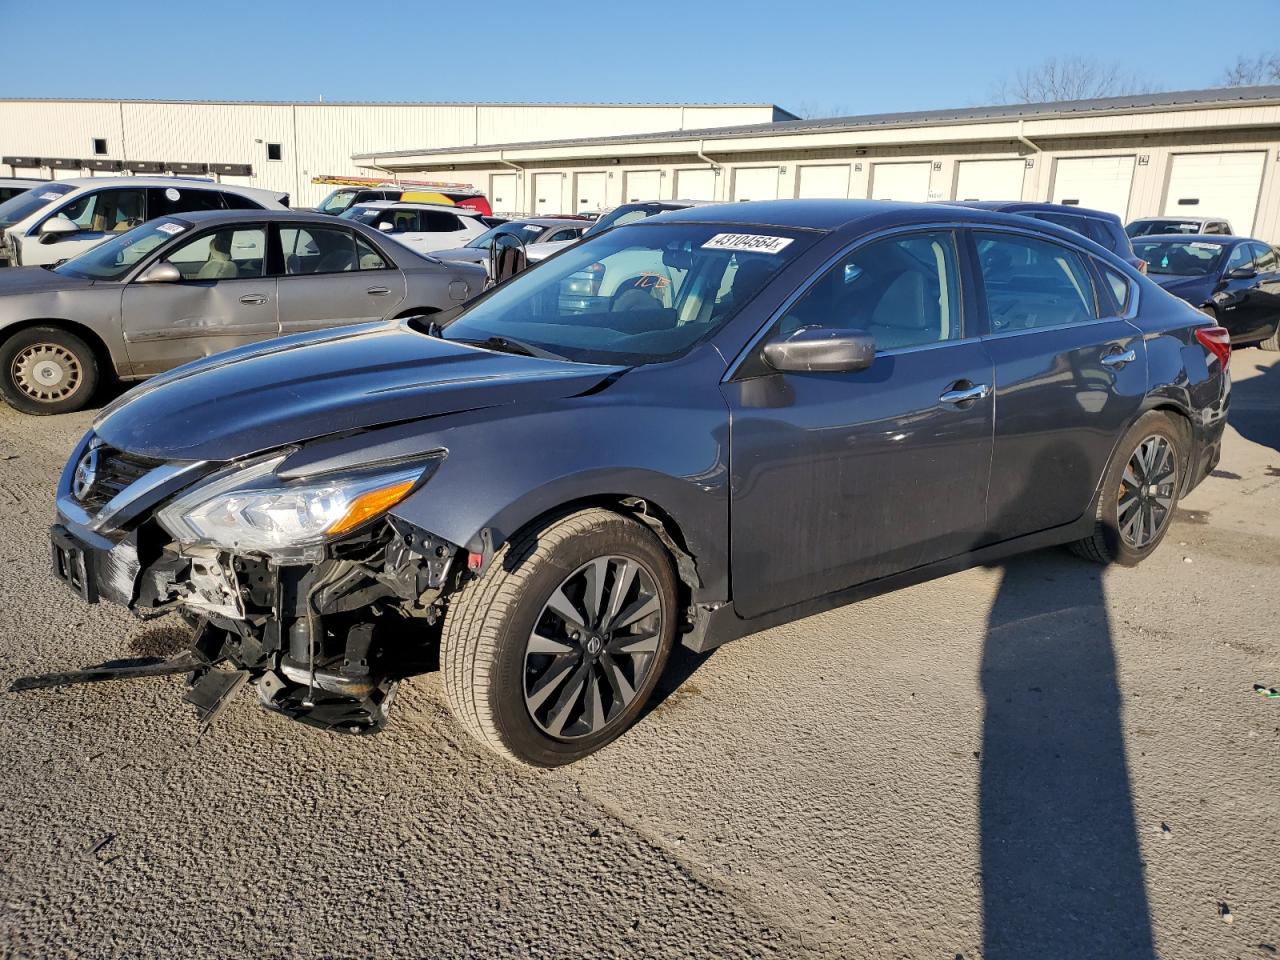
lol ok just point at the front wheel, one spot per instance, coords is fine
(1272, 342)
(45, 370)
(1139, 492)
(554, 650)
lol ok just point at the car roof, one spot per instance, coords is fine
(404, 205)
(1023, 206)
(1194, 218)
(205, 216)
(551, 221)
(1221, 238)
(830, 215)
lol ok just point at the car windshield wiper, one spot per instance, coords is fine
(508, 345)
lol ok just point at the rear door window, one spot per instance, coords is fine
(236, 201)
(167, 201)
(437, 221)
(1032, 283)
(314, 249)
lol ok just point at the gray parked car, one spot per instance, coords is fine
(779, 406)
(181, 288)
(531, 232)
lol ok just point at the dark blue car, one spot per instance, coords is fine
(680, 430)
(1234, 280)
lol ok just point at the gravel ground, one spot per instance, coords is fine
(1037, 760)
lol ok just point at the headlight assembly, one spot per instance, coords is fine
(248, 510)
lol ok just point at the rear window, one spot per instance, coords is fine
(1148, 228)
(1180, 258)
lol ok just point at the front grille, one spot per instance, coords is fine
(116, 470)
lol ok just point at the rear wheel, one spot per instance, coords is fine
(1139, 492)
(46, 370)
(553, 652)
(1272, 342)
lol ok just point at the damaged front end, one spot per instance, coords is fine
(307, 588)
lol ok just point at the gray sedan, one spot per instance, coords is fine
(180, 288)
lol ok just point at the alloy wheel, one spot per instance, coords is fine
(47, 372)
(592, 647)
(1147, 488)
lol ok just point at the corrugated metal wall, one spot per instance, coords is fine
(318, 138)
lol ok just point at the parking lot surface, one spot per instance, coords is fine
(1043, 759)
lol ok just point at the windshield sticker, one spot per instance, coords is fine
(50, 196)
(1201, 245)
(172, 194)
(746, 241)
(173, 229)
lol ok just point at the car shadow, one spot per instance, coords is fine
(1061, 865)
(1255, 402)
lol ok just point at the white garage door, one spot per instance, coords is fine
(824, 181)
(1216, 185)
(642, 185)
(695, 185)
(900, 181)
(755, 183)
(1099, 183)
(990, 179)
(546, 194)
(590, 189)
(502, 193)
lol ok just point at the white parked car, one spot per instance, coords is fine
(64, 218)
(424, 227)
(12, 186)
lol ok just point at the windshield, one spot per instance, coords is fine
(1147, 228)
(627, 213)
(1180, 258)
(365, 215)
(639, 294)
(527, 232)
(17, 209)
(337, 201)
(116, 257)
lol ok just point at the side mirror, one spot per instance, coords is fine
(386, 227)
(162, 272)
(821, 350)
(1242, 273)
(57, 228)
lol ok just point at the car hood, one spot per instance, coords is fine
(1190, 288)
(20, 281)
(299, 388)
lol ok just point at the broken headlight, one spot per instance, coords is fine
(249, 510)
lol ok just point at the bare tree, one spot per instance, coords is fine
(1069, 78)
(1250, 71)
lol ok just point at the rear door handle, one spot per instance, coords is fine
(377, 291)
(254, 298)
(978, 391)
(1120, 359)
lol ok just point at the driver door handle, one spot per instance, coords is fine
(377, 291)
(1120, 359)
(254, 298)
(978, 391)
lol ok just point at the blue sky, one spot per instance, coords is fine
(809, 56)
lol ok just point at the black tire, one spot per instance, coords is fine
(1108, 544)
(483, 656)
(1272, 342)
(31, 357)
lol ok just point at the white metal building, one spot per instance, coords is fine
(281, 146)
(1206, 152)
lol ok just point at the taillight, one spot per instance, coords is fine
(1217, 341)
(1142, 266)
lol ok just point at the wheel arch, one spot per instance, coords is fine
(101, 352)
(416, 312)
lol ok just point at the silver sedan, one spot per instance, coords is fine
(180, 288)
